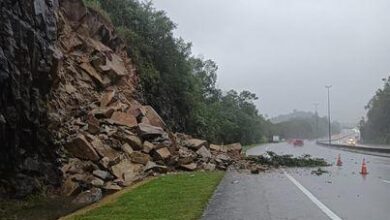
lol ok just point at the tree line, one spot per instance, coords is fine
(375, 128)
(182, 87)
(305, 125)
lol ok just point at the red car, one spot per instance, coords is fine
(298, 142)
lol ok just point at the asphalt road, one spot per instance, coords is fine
(295, 193)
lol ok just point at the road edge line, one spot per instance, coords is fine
(317, 202)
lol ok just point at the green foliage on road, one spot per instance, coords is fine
(275, 160)
(181, 87)
(177, 196)
(376, 128)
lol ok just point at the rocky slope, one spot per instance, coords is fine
(69, 116)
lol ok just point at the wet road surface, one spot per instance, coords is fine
(297, 194)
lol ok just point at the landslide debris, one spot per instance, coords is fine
(108, 139)
(319, 171)
(102, 136)
(274, 160)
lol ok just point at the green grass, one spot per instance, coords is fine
(179, 196)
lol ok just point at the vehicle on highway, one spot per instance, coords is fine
(298, 142)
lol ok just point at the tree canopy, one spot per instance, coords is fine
(181, 87)
(376, 128)
(304, 125)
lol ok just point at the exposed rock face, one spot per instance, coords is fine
(28, 63)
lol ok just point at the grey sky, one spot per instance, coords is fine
(287, 50)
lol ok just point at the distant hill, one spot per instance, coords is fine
(293, 115)
(300, 124)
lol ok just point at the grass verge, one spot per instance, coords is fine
(176, 196)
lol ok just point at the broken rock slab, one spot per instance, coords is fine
(204, 152)
(156, 168)
(107, 97)
(189, 167)
(153, 117)
(127, 149)
(104, 150)
(163, 153)
(123, 118)
(104, 175)
(126, 170)
(219, 148)
(148, 131)
(134, 141)
(195, 144)
(139, 157)
(233, 147)
(79, 147)
(148, 147)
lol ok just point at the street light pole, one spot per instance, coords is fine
(330, 131)
(316, 118)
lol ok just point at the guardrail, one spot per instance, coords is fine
(356, 147)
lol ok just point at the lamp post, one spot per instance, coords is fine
(316, 118)
(330, 131)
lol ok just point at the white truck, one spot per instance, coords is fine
(275, 139)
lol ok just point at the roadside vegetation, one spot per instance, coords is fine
(376, 127)
(176, 196)
(181, 87)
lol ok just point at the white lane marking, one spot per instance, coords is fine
(386, 181)
(320, 205)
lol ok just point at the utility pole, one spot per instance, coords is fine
(330, 131)
(316, 115)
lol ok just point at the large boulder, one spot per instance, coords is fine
(148, 147)
(163, 153)
(123, 118)
(104, 150)
(79, 147)
(127, 149)
(189, 167)
(226, 148)
(154, 167)
(139, 157)
(233, 147)
(186, 156)
(195, 144)
(148, 131)
(134, 141)
(219, 148)
(104, 175)
(153, 117)
(204, 153)
(127, 171)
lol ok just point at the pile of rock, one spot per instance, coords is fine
(117, 155)
(107, 138)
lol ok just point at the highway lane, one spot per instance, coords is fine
(273, 195)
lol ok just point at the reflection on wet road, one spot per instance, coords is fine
(273, 195)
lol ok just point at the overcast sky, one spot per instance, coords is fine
(287, 50)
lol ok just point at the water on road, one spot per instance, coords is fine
(295, 193)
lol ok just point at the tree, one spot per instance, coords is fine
(376, 128)
(180, 87)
